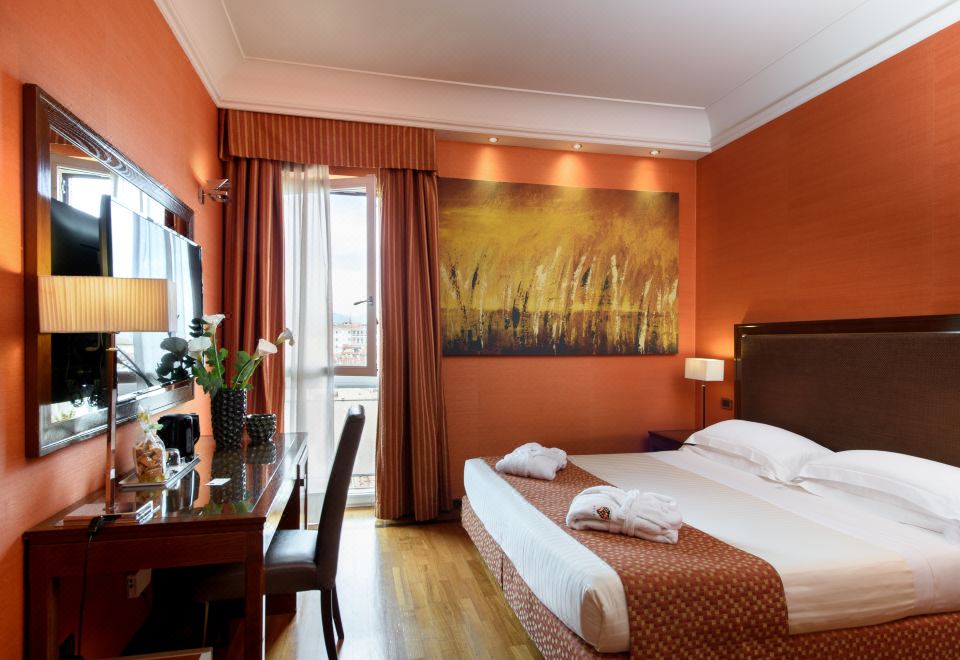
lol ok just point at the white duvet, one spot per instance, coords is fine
(840, 566)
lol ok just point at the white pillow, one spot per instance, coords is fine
(867, 500)
(717, 456)
(771, 452)
(927, 491)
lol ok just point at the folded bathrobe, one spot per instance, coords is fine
(649, 516)
(533, 460)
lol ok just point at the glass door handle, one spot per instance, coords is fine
(368, 300)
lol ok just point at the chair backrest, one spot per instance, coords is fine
(335, 499)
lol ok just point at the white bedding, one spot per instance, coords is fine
(841, 567)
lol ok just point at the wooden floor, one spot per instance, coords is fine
(410, 591)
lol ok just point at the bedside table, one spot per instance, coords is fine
(668, 440)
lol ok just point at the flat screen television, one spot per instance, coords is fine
(121, 243)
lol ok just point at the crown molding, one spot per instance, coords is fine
(206, 36)
(872, 33)
(867, 35)
(317, 91)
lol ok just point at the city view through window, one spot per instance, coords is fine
(352, 298)
(353, 264)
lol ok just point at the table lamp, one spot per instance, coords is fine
(703, 369)
(106, 305)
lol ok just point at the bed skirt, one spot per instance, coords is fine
(928, 636)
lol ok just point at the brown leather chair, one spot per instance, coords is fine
(303, 559)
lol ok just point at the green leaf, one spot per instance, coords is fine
(242, 359)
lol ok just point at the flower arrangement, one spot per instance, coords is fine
(210, 362)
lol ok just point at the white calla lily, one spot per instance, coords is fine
(213, 320)
(198, 345)
(286, 337)
(265, 347)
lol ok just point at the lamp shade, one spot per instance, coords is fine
(703, 369)
(105, 304)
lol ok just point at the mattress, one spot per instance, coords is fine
(840, 566)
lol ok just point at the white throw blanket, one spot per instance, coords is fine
(649, 516)
(533, 460)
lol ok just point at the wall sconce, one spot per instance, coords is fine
(218, 190)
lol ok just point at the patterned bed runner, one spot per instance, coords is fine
(697, 596)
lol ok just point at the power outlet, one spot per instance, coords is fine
(137, 582)
(726, 404)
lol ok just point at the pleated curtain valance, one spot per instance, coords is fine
(312, 140)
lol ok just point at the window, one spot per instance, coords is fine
(84, 190)
(81, 182)
(351, 323)
(353, 246)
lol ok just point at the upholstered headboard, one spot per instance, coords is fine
(885, 383)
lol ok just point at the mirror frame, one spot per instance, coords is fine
(41, 114)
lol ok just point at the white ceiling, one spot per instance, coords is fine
(681, 53)
(685, 76)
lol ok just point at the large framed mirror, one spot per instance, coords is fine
(90, 210)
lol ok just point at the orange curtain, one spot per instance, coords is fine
(333, 142)
(412, 471)
(253, 273)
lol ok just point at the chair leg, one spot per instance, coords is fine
(336, 613)
(326, 605)
(206, 618)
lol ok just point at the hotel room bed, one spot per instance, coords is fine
(853, 583)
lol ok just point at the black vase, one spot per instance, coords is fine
(228, 411)
(261, 427)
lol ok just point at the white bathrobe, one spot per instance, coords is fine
(649, 516)
(533, 460)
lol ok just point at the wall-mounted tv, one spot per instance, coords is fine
(121, 243)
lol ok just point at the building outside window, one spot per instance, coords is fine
(353, 244)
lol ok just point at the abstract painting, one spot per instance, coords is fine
(528, 269)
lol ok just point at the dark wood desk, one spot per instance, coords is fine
(197, 524)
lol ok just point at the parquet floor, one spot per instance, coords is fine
(411, 591)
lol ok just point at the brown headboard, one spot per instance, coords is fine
(884, 383)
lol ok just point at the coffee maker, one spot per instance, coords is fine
(180, 432)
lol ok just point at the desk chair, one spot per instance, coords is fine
(302, 559)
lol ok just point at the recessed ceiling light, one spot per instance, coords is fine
(577, 146)
(493, 139)
(654, 152)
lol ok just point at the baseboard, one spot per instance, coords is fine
(453, 515)
(361, 498)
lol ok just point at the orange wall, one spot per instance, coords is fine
(582, 404)
(848, 206)
(118, 67)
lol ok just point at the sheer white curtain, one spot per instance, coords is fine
(308, 404)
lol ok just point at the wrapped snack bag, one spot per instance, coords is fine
(149, 454)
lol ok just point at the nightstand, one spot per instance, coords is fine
(668, 440)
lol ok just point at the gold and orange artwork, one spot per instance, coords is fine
(529, 269)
